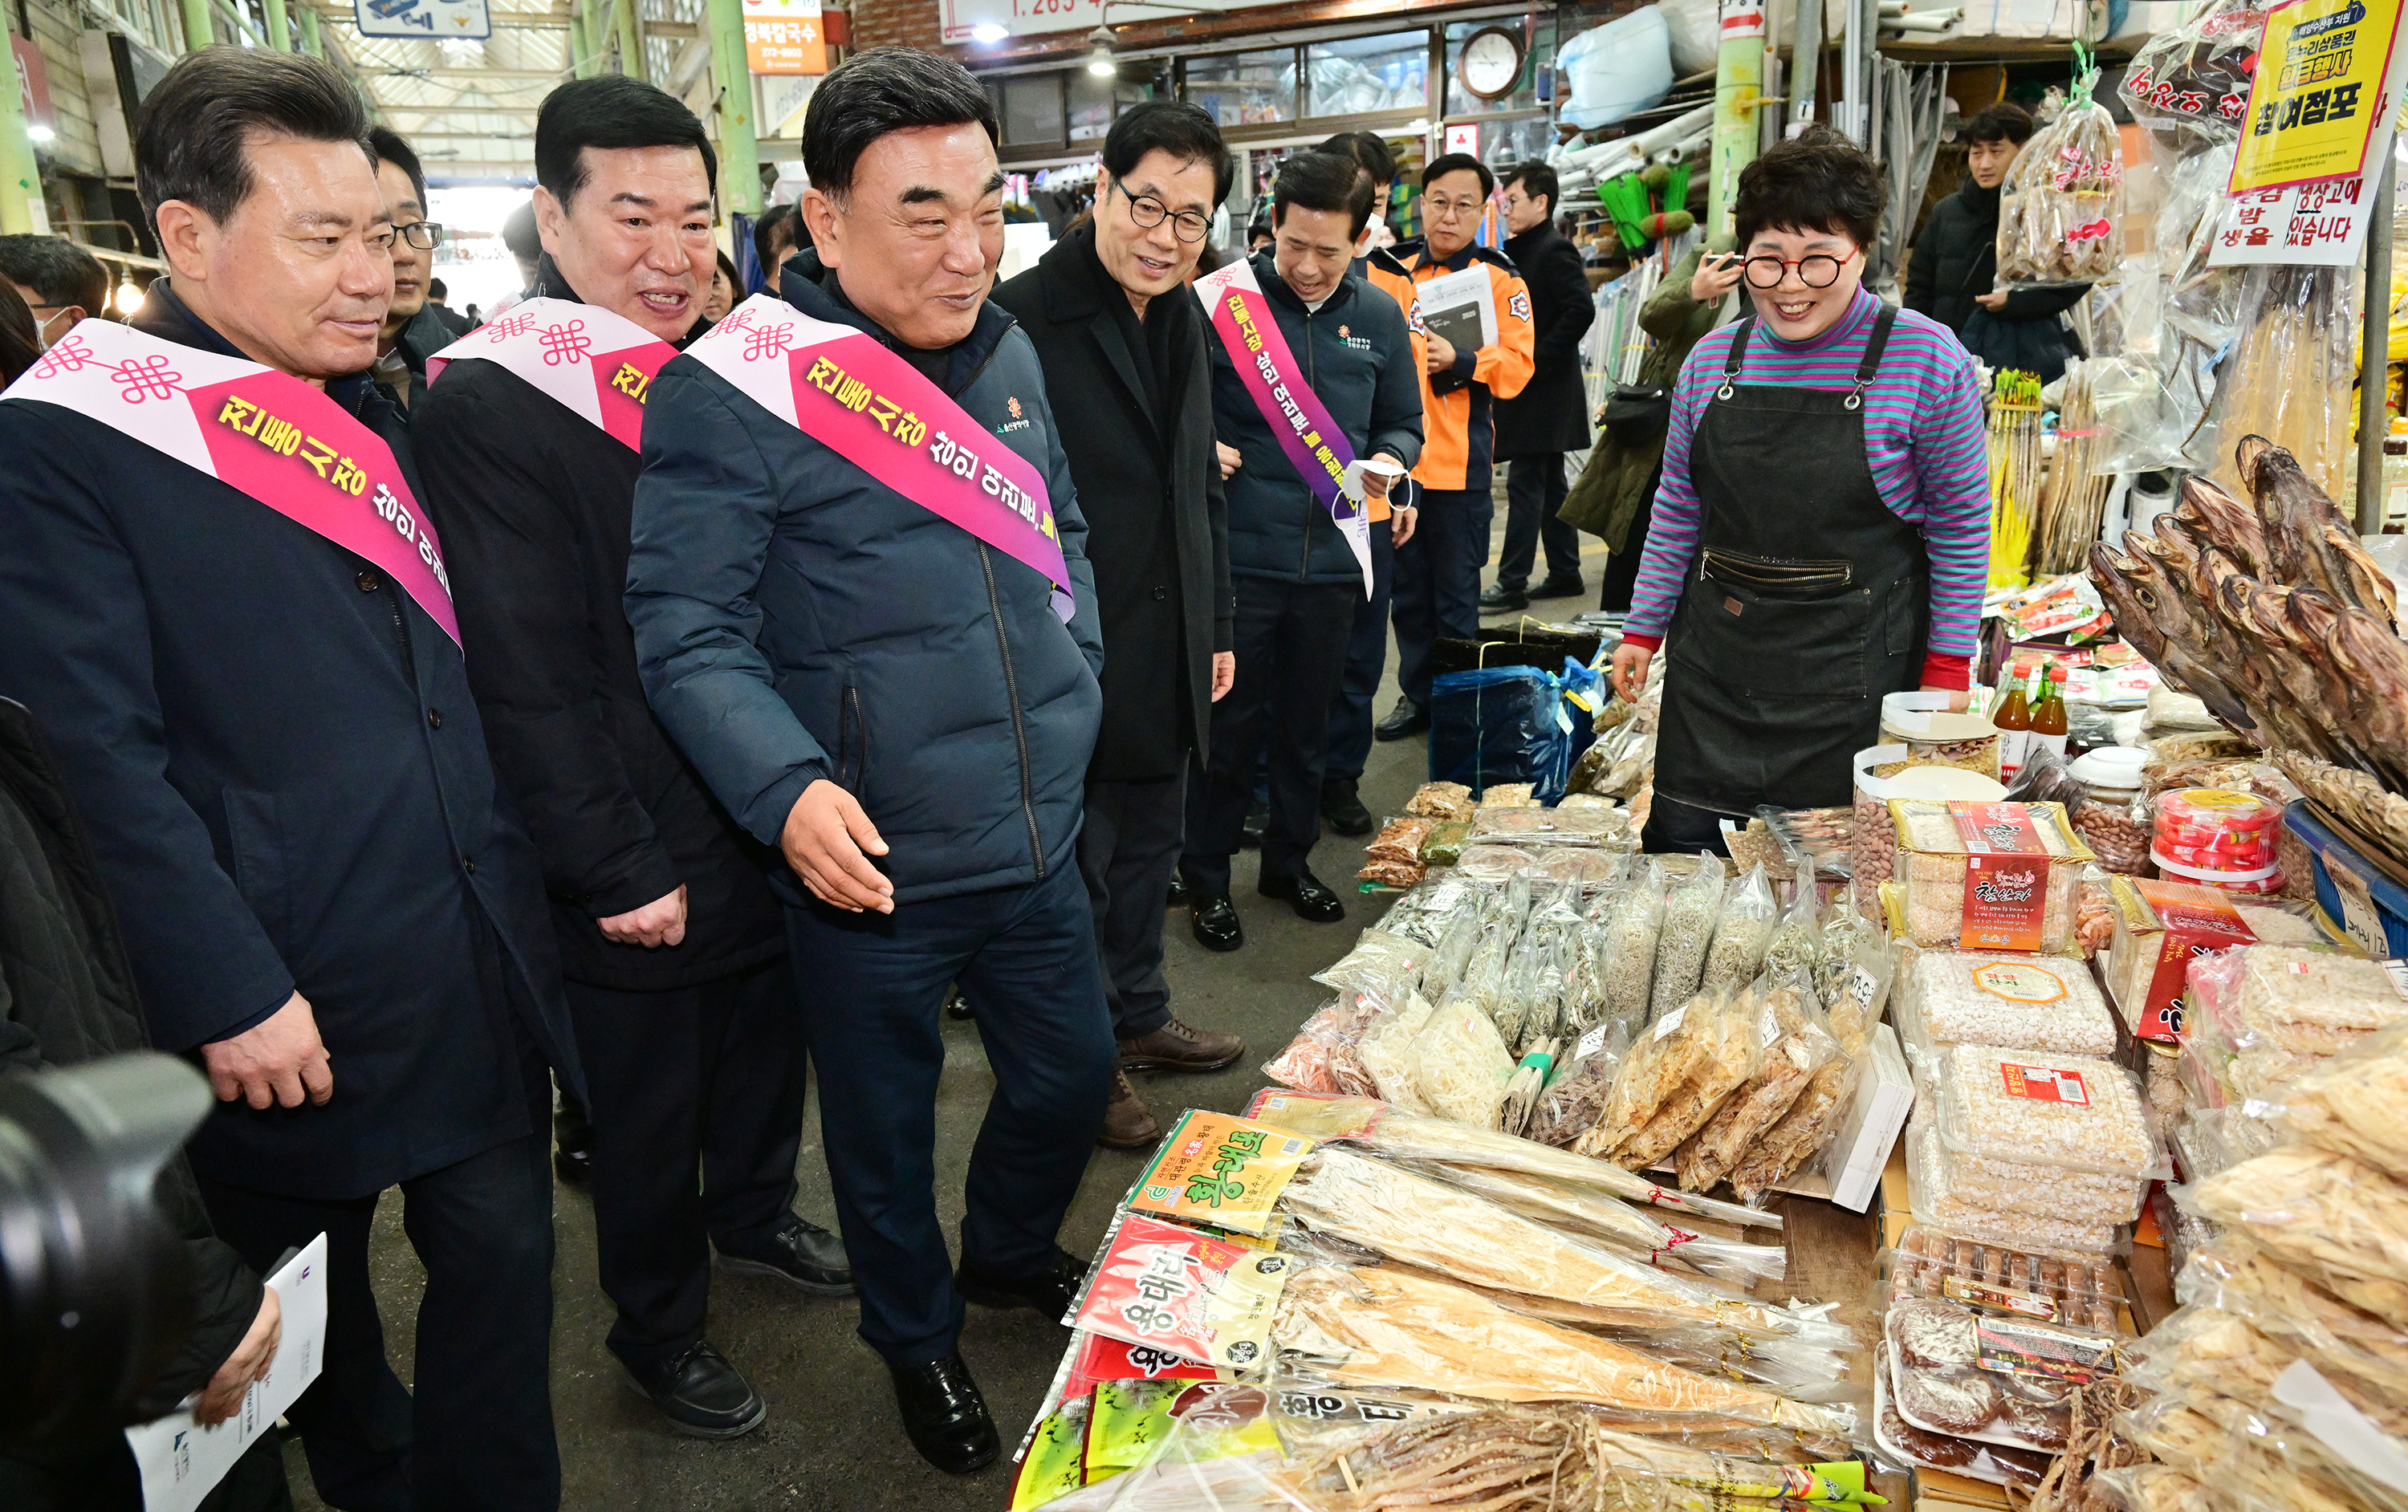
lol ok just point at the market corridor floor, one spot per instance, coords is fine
(832, 1443)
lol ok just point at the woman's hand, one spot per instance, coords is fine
(1630, 664)
(1716, 275)
(1958, 697)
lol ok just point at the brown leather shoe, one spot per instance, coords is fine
(1128, 1124)
(1175, 1047)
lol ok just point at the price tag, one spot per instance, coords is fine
(2044, 1084)
(1672, 1020)
(1594, 1041)
(1862, 987)
(2358, 919)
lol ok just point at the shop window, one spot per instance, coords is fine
(1524, 95)
(1363, 74)
(1096, 103)
(1240, 89)
(1032, 110)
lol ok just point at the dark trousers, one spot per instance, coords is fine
(707, 1078)
(97, 1473)
(1352, 715)
(477, 1433)
(1291, 643)
(1438, 582)
(1534, 490)
(1127, 850)
(1622, 567)
(1677, 828)
(873, 989)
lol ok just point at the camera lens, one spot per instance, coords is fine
(94, 1288)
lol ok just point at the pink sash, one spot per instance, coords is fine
(597, 364)
(1316, 446)
(841, 387)
(266, 432)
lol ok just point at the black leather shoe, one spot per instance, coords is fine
(944, 1416)
(1213, 921)
(1343, 808)
(1314, 902)
(574, 1164)
(1501, 599)
(803, 1254)
(1408, 717)
(700, 1393)
(1051, 1291)
(1178, 891)
(1258, 819)
(1561, 588)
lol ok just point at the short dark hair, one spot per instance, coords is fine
(190, 144)
(1537, 182)
(1459, 162)
(20, 347)
(389, 147)
(519, 232)
(1322, 181)
(728, 267)
(1369, 153)
(436, 292)
(1817, 180)
(2005, 121)
(1185, 131)
(609, 111)
(57, 269)
(764, 232)
(880, 90)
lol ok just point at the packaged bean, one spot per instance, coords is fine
(1990, 876)
(2016, 1002)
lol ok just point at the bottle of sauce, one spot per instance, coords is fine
(2048, 724)
(2014, 719)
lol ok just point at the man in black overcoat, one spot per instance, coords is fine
(1550, 416)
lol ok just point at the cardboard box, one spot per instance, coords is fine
(1867, 1141)
(1942, 1492)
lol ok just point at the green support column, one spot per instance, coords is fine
(631, 40)
(279, 37)
(739, 151)
(1739, 89)
(579, 53)
(311, 43)
(21, 175)
(199, 32)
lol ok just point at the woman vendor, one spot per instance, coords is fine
(1822, 533)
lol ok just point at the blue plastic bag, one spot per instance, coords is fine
(1617, 69)
(1501, 724)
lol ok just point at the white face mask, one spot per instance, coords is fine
(42, 336)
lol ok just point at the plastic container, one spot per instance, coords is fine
(1936, 736)
(2018, 1107)
(1994, 876)
(2370, 908)
(1991, 1379)
(1937, 1206)
(2050, 1191)
(2012, 1000)
(2048, 1288)
(2112, 773)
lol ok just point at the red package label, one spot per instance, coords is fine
(1095, 1359)
(2045, 1083)
(2010, 1348)
(1174, 1289)
(2193, 930)
(2006, 897)
(1997, 829)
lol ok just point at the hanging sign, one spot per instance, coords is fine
(784, 37)
(2318, 224)
(459, 20)
(2318, 93)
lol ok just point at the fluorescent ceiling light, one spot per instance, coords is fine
(988, 32)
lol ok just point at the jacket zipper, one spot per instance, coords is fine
(1313, 381)
(1019, 729)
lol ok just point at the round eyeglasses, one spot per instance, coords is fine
(1187, 225)
(1818, 272)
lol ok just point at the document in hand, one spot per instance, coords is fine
(1460, 307)
(181, 1461)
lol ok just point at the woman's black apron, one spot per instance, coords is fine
(1809, 602)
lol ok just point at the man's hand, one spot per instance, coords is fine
(1995, 301)
(1224, 674)
(276, 1061)
(1631, 670)
(1716, 275)
(1440, 354)
(1402, 522)
(828, 841)
(1229, 457)
(1958, 697)
(249, 1362)
(659, 923)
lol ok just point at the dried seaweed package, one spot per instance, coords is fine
(1740, 935)
(2060, 209)
(1461, 1066)
(1732, 1037)
(1386, 1050)
(1801, 1048)
(1682, 939)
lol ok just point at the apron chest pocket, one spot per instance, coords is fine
(1790, 576)
(1780, 645)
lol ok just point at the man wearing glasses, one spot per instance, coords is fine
(1480, 350)
(1822, 533)
(405, 342)
(60, 281)
(1123, 345)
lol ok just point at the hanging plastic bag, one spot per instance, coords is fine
(2060, 211)
(1617, 69)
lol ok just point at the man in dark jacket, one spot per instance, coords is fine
(253, 685)
(858, 676)
(1123, 344)
(410, 336)
(1297, 580)
(1956, 262)
(1550, 416)
(66, 997)
(672, 942)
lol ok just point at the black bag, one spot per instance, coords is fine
(1636, 414)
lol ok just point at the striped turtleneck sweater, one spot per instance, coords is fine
(1924, 440)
